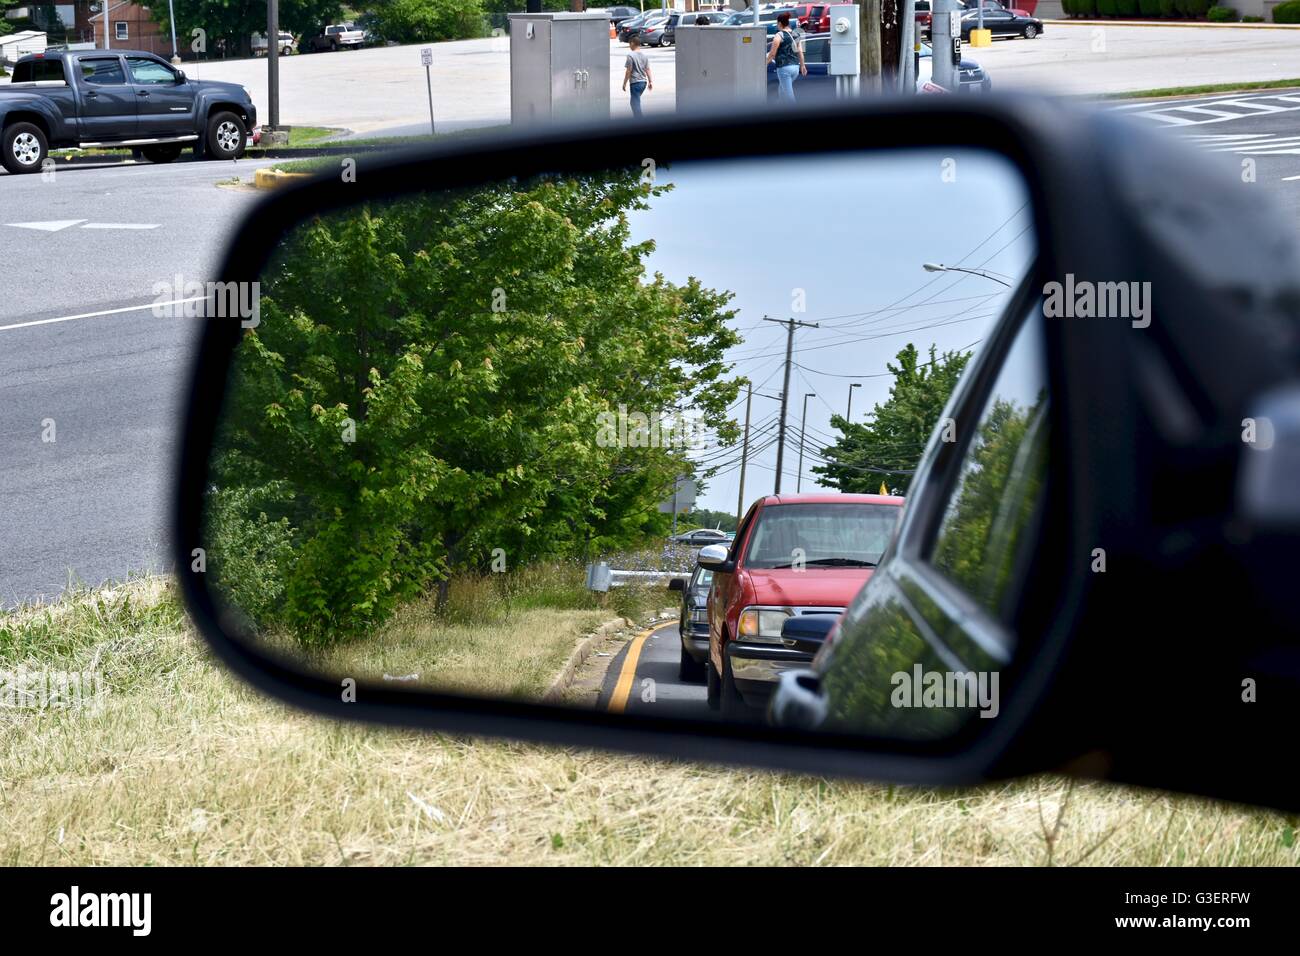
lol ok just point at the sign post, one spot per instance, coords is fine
(426, 58)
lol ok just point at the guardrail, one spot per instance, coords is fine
(601, 577)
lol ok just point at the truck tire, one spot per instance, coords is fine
(23, 148)
(163, 153)
(227, 136)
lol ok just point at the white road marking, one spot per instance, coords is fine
(57, 225)
(52, 226)
(94, 315)
(1177, 114)
(1290, 179)
(120, 225)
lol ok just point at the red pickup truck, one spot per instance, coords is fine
(793, 555)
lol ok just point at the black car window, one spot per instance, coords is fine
(104, 71)
(37, 71)
(996, 496)
(817, 49)
(146, 72)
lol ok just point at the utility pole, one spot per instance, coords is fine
(273, 64)
(848, 412)
(790, 326)
(803, 424)
(744, 454)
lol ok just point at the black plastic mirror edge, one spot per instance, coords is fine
(1027, 131)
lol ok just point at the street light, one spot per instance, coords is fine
(940, 267)
(848, 412)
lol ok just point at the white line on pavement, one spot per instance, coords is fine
(94, 315)
(120, 225)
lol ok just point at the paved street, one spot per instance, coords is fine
(93, 503)
(642, 679)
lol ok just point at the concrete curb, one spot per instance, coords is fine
(274, 178)
(1173, 23)
(580, 655)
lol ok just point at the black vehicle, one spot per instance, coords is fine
(618, 14)
(632, 26)
(1002, 23)
(118, 98)
(693, 624)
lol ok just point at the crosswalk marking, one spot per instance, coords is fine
(1204, 112)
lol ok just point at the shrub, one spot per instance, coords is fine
(1106, 8)
(1167, 8)
(1149, 8)
(1218, 14)
(1192, 8)
(1288, 12)
(1126, 8)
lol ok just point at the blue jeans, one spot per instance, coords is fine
(637, 90)
(785, 81)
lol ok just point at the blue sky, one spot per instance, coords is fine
(852, 233)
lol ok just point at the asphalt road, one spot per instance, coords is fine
(80, 348)
(642, 679)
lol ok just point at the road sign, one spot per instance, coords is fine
(426, 56)
(426, 60)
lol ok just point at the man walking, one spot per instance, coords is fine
(637, 72)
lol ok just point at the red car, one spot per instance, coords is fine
(812, 17)
(793, 555)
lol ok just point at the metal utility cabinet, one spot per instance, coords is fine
(719, 65)
(559, 67)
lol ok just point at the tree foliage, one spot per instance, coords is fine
(232, 23)
(427, 21)
(425, 385)
(887, 448)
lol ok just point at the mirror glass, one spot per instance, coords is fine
(470, 437)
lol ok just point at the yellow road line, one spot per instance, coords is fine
(626, 676)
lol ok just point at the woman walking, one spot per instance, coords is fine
(787, 53)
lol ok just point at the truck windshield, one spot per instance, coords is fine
(821, 535)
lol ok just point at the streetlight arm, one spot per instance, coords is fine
(940, 267)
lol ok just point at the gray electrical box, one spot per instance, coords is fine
(559, 67)
(720, 66)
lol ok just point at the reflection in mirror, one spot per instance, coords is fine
(474, 435)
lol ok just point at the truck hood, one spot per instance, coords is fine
(811, 587)
(233, 90)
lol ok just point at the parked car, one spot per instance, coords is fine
(819, 86)
(700, 537)
(335, 36)
(970, 75)
(618, 14)
(632, 26)
(662, 31)
(104, 97)
(1002, 23)
(287, 44)
(693, 623)
(793, 555)
(812, 17)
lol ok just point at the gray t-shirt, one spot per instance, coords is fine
(639, 63)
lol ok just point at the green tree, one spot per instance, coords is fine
(428, 375)
(884, 449)
(230, 24)
(417, 21)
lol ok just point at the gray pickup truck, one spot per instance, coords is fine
(118, 98)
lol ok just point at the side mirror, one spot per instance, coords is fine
(807, 632)
(677, 584)
(180, 77)
(712, 556)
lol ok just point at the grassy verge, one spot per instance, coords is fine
(316, 164)
(180, 764)
(1205, 88)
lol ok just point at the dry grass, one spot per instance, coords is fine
(181, 765)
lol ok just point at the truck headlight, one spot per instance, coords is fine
(762, 624)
